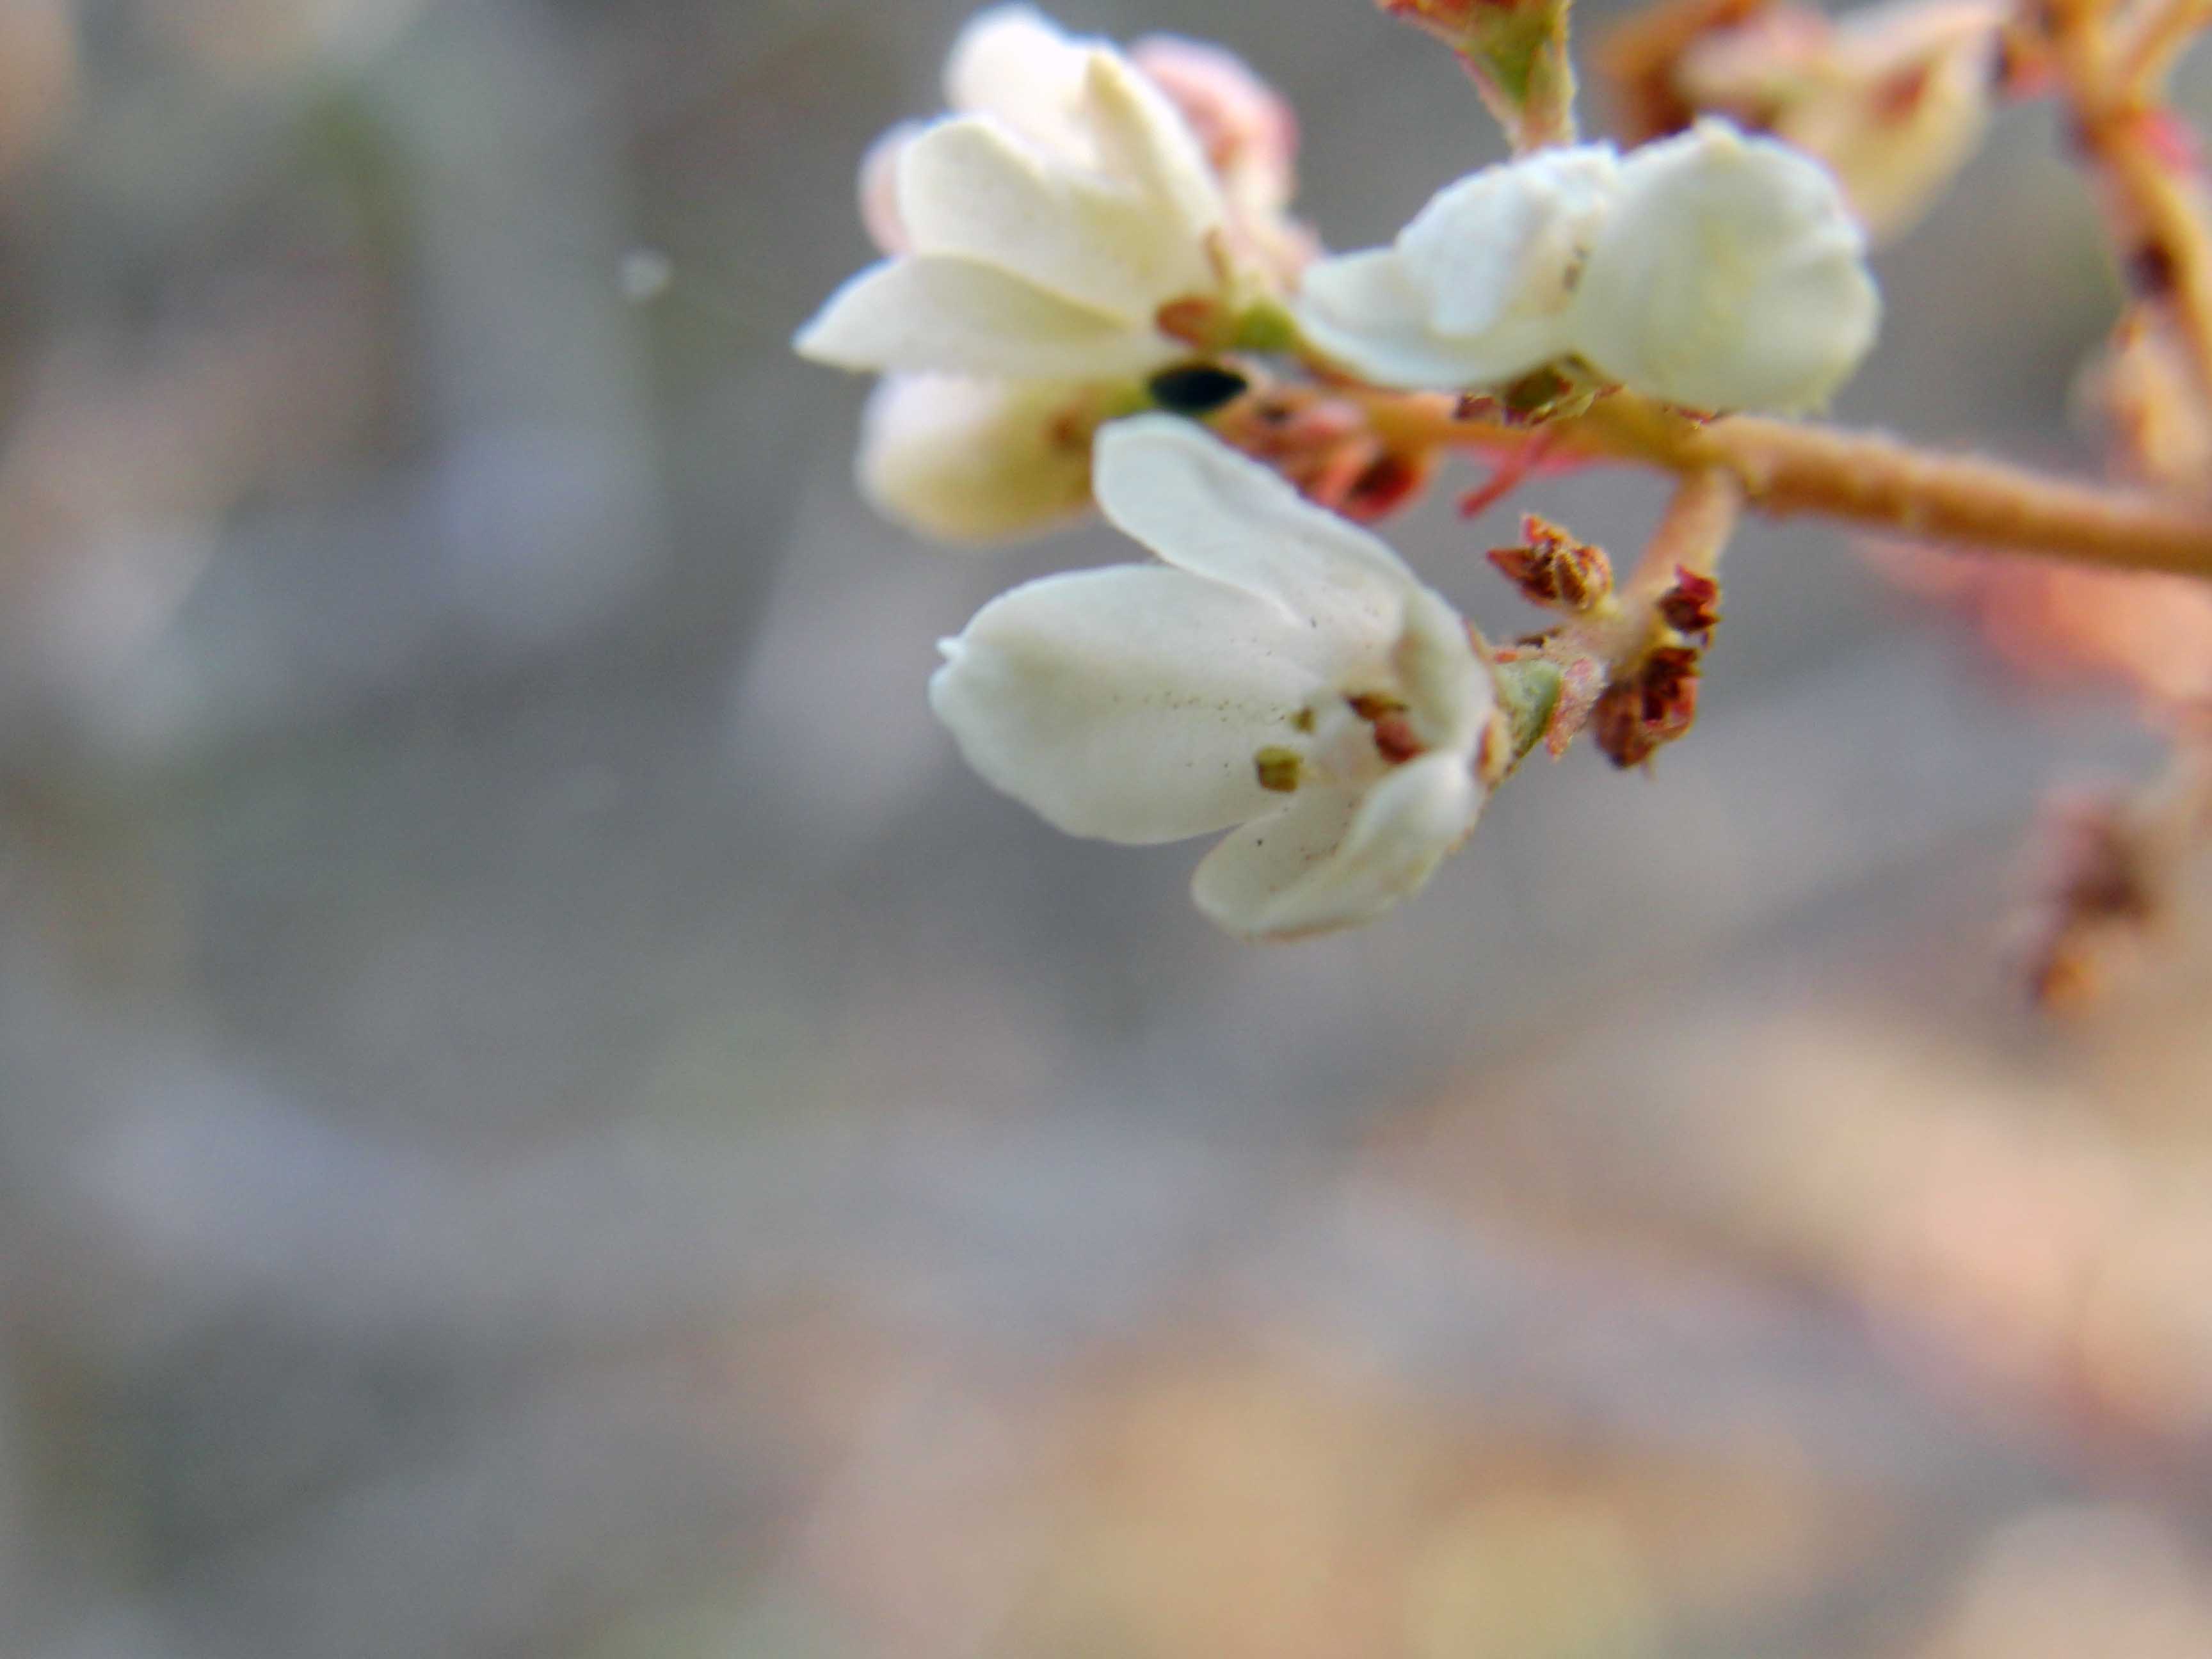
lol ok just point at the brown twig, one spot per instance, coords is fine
(2153, 189)
(1694, 531)
(1784, 468)
(2153, 35)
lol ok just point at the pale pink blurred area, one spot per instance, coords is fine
(542, 1113)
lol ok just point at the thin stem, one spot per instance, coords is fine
(1688, 542)
(1691, 536)
(2161, 220)
(1517, 55)
(2153, 35)
(1693, 533)
(1784, 468)
(1529, 87)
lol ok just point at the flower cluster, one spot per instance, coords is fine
(1075, 224)
(1092, 292)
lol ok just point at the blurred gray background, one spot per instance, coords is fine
(542, 1113)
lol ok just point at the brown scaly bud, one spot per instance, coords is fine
(1553, 568)
(1652, 705)
(2096, 894)
(1692, 604)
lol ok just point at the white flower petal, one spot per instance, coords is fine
(1127, 703)
(1205, 508)
(1246, 127)
(966, 460)
(1083, 102)
(1501, 245)
(1143, 138)
(1328, 862)
(1249, 137)
(1448, 690)
(968, 188)
(1730, 275)
(1365, 311)
(1237, 883)
(1367, 290)
(1013, 62)
(955, 316)
(1477, 288)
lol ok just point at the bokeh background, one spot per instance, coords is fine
(542, 1114)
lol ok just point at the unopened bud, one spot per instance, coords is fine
(2098, 889)
(1246, 127)
(1692, 604)
(1649, 708)
(1551, 568)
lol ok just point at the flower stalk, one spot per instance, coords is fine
(2153, 189)
(1868, 479)
(1515, 52)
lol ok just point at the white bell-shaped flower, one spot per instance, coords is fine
(1714, 270)
(1041, 236)
(1282, 671)
(1730, 275)
(1478, 288)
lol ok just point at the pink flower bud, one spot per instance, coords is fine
(1244, 125)
(879, 209)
